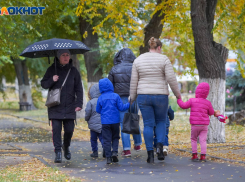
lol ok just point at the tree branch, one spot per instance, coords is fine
(210, 12)
(153, 28)
(210, 56)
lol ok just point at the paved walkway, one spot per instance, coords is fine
(174, 168)
(135, 168)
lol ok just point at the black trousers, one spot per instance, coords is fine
(68, 132)
(110, 135)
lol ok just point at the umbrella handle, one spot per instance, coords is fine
(55, 66)
(55, 53)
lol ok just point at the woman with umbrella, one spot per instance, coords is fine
(71, 100)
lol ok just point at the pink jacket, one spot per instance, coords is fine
(201, 108)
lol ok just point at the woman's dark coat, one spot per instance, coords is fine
(71, 94)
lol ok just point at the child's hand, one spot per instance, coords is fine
(216, 113)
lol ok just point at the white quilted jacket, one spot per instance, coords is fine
(151, 74)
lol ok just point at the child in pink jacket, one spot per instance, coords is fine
(201, 109)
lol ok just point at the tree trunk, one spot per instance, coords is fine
(23, 81)
(80, 114)
(91, 57)
(216, 131)
(153, 28)
(210, 60)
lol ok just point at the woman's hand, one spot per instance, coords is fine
(55, 78)
(178, 97)
(78, 109)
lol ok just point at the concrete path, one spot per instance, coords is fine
(135, 168)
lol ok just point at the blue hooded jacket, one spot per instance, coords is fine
(109, 103)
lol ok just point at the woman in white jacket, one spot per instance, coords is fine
(151, 74)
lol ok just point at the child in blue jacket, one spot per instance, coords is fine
(108, 105)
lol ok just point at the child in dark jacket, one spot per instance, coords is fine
(93, 119)
(108, 105)
(170, 117)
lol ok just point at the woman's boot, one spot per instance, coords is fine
(67, 152)
(109, 161)
(58, 157)
(150, 158)
(160, 154)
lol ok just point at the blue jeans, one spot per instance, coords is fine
(126, 137)
(166, 138)
(154, 110)
(93, 139)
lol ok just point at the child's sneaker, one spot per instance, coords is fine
(165, 152)
(94, 154)
(137, 148)
(126, 153)
(194, 157)
(203, 158)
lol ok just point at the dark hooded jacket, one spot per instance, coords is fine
(91, 116)
(71, 94)
(120, 74)
(109, 103)
(170, 116)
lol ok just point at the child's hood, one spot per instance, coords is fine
(202, 90)
(105, 85)
(94, 91)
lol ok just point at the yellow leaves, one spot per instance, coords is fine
(33, 170)
(85, 34)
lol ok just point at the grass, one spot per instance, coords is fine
(33, 170)
(33, 113)
(9, 105)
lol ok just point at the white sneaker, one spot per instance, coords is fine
(165, 152)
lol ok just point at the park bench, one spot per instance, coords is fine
(25, 106)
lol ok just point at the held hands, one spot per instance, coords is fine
(55, 78)
(178, 97)
(78, 109)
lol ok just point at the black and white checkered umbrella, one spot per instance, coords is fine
(48, 48)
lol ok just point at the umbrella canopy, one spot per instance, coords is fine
(48, 48)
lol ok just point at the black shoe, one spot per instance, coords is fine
(114, 157)
(160, 154)
(150, 158)
(58, 157)
(103, 153)
(108, 160)
(94, 154)
(67, 152)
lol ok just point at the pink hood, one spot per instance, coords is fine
(201, 108)
(202, 90)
